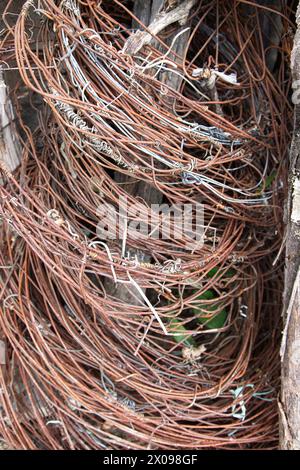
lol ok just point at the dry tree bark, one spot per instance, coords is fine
(289, 403)
(9, 145)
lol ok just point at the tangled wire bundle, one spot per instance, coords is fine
(145, 342)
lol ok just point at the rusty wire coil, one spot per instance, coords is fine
(86, 367)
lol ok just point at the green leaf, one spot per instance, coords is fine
(215, 270)
(216, 321)
(207, 295)
(181, 333)
(268, 181)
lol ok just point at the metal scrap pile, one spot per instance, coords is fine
(134, 342)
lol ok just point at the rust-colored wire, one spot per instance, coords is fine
(85, 369)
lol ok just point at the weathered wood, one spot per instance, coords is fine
(289, 404)
(142, 10)
(160, 22)
(9, 145)
(10, 152)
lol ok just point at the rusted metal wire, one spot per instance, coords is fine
(84, 369)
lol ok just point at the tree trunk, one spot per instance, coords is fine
(9, 145)
(289, 404)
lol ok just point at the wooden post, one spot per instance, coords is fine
(289, 403)
(9, 145)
